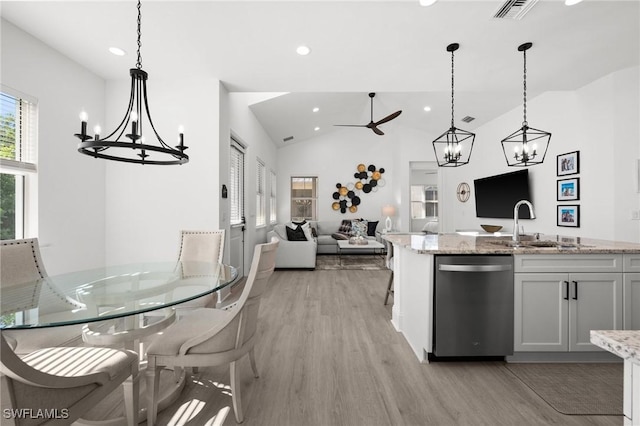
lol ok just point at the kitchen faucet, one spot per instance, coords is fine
(516, 232)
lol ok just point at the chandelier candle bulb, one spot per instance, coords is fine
(97, 131)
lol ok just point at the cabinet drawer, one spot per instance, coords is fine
(631, 262)
(569, 263)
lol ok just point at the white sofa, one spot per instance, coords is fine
(329, 245)
(293, 254)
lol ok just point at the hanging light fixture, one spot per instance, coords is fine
(526, 146)
(133, 147)
(453, 147)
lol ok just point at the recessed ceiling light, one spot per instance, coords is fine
(117, 51)
(427, 2)
(316, 128)
(316, 109)
(427, 108)
(303, 50)
(571, 2)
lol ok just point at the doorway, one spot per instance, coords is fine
(423, 195)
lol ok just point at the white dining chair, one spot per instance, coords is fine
(66, 381)
(23, 275)
(209, 337)
(202, 246)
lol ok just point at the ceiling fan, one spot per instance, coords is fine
(374, 125)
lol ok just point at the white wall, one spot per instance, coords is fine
(71, 204)
(601, 121)
(247, 130)
(147, 206)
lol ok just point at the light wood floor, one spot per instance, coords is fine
(328, 355)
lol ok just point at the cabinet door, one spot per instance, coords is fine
(597, 305)
(631, 301)
(541, 313)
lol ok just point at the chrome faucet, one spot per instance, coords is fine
(516, 232)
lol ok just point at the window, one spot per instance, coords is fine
(18, 132)
(236, 183)
(273, 206)
(261, 213)
(303, 198)
(424, 201)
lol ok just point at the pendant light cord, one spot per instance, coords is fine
(524, 123)
(139, 61)
(452, 90)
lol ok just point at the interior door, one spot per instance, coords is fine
(236, 202)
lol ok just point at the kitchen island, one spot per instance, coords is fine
(626, 345)
(552, 319)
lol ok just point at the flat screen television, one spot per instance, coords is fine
(497, 195)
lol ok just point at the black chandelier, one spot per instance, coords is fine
(526, 146)
(455, 144)
(133, 147)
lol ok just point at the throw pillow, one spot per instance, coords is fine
(314, 232)
(296, 234)
(371, 228)
(359, 228)
(340, 236)
(345, 226)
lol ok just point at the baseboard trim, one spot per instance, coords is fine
(562, 357)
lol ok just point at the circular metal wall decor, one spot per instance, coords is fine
(347, 197)
(463, 192)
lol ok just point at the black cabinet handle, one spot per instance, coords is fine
(566, 290)
(575, 287)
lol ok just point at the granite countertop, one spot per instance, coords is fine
(471, 243)
(623, 343)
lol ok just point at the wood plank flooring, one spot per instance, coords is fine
(328, 355)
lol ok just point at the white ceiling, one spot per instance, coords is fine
(394, 48)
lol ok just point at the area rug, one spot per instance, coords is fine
(575, 389)
(350, 261)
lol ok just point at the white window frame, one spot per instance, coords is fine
(313, 199)
(236, 183)
(273, 205)
(261, 183)
(25, 165)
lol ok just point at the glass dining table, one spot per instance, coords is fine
(109, 293)
(120, 305)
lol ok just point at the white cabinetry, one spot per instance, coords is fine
(559, 299)
(631, 291)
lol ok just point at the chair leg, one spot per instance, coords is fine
(131, 396)
(235, 391)
(389, 289)
(252, 359)
(153, 388)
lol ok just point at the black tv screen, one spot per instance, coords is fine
(496, 196)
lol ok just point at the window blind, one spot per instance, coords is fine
(261, 216)
(18, 131)
(236, 183)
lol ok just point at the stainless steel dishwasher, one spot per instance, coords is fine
(473, 306)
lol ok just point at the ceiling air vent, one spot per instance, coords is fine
(287, 139)
(514, 9)
(468, 119)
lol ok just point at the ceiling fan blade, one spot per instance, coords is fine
(377, 131)
(389, 117)
(351, 125)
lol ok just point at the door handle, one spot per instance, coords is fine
(474, 268)
(566, 290)
(575, 287)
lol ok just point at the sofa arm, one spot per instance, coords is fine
(294, 254)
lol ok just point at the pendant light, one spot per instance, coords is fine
(526, 146)
(453, 147)
(133, 147)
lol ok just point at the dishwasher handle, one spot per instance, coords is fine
(474, 268)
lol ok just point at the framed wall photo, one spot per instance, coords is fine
(568, 189)
(569, 215)
(569, 163)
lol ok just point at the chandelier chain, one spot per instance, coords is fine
(452, 121)
(139, 61)
(524, 123)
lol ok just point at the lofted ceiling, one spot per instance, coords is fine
(394, 48)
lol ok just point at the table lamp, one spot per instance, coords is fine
(388, 211)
